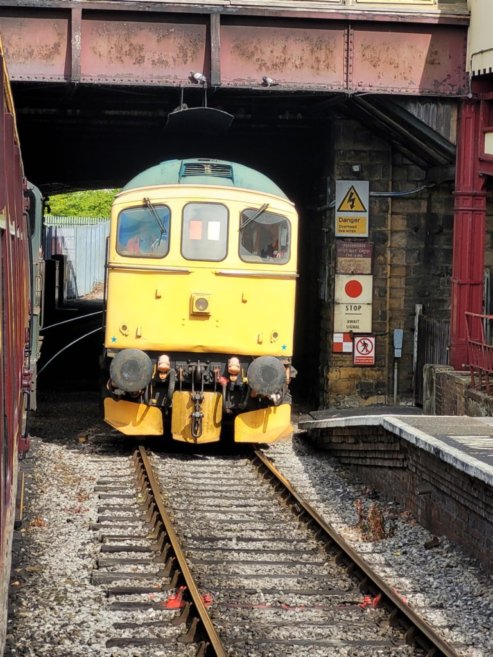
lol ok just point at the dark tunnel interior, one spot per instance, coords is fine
(88, 138)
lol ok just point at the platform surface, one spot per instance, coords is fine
(464, 442)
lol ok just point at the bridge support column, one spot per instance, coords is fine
(469, 230)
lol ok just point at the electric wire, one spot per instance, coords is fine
(100, 328)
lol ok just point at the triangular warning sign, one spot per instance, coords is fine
(351, 202)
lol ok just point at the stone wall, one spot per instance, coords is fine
(411, 233)
(447, 392)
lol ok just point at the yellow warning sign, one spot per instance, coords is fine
(352, 226)
(351, 202)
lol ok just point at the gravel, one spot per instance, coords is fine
(55, 610)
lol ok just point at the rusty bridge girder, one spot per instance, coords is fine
(107, 44)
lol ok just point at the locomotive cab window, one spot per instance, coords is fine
(143, 232)
(204, 231)
(264, 236)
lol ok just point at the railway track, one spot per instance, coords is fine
(221, 556)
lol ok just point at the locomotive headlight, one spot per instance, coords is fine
(266, 375)
(200, 304)
(163, 366)
(163, 363)
(131, 370)
(234, 368)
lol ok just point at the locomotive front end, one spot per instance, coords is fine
(200, 298)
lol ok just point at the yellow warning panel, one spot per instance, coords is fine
(352, 202)
(356, 226)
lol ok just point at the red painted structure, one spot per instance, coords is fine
(14, 325)
(343, 50)
(479, 351)
(472, 167)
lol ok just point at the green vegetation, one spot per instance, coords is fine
(91, 203)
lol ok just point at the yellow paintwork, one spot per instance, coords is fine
(132, 418)
(152, 305)
(211, 407)
(150, 300)
(264, 426)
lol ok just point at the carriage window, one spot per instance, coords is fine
(204, 231)
(264, 236)
(143, 232)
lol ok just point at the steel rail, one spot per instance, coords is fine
(438, 647)
(212, 636)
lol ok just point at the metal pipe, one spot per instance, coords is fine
(396, 368)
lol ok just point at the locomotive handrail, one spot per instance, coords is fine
(256, 274)
(166, 270)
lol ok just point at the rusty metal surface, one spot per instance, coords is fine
(302, 55)
(37, 45)
(409, 59)
(156, 51)
(451, 12)
(162, 49)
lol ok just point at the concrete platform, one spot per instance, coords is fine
(439, 467)
(464, 442)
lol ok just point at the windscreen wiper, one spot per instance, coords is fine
(255, 216)
(156, 216)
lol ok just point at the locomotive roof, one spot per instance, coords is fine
(203, 171)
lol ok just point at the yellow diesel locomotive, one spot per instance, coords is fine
(199, 304)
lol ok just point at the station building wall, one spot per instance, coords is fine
(411, 237)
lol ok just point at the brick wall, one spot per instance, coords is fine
(441, 498)
(447, 392)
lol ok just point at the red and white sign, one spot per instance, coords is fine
(354, 317)
(353, 289)
(353, 307)
(364, 350)
(342, 343)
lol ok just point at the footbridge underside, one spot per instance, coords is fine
(101, 78)
(363, 52)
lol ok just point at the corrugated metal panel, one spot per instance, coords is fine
(83, 245)
(480, 43)
(440, 115)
